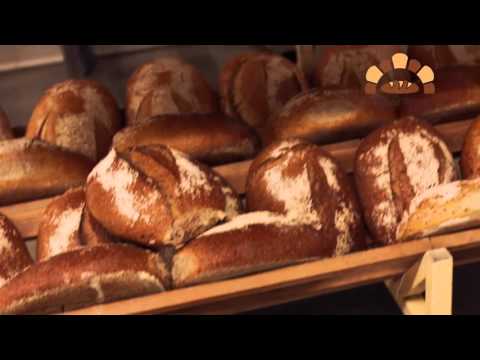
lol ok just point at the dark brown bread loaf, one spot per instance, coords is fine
(6, 132)
(329, 116)
(255, 86)
(84, 277)
(470, 161)
(209, 138)
(78, 115)
(33, 169)
(156, 196)
(457, 96)
(14, 255)
(392, 166)
(168, 86)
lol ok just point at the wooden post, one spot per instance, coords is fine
(79, 60)
(306, 60)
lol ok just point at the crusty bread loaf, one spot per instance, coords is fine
(14, 255)
(32, 169)
(6, 132)
(457, 96)
(209, 138)
(84, 277)
(167, 86)
(78, 115)
(435, 56)
(255, 86)
(445, 208)
(395, 164)
(156, 196)
(329, 116)
(470, 160)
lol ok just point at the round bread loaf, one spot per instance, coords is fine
(329, 116)
(209, 138)
(67, 225)
(156, 196)
(6, 132)
(82, 278)
(395, 164)
(33, 169)
(14, 255)
(255, 86)
(167, 86)
(457, 96)
(78, 115)
(470, 160)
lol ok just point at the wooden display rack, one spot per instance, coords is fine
(409, 269)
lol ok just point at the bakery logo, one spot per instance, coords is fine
(400, 76)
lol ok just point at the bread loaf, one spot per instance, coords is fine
(457, 96)
(14, 255)
(445, 208)
(33, 169)
(167, 86)
(470, 160)
(329, 116)
(435, 56)
(395, 164)
(78, 115)
(255, 86)
(82, 278)
(6, 132)
(212, 138)
(155, 196)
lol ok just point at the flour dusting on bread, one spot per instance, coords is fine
(66, 226)
(193, 180)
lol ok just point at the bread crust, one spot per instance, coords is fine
(470, 160)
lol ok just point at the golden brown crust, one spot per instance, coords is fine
(32, 169)
(470, 161)
(84, 277)
(78, 115)
(14, 255)
(6, 132)
(209, 138)
(329, 116)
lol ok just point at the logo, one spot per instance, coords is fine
(400, 76)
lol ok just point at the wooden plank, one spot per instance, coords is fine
(439, 282)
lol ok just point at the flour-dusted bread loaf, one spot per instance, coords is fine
(395, 164)
(168, 85)
(457, 96)
(82, 278)
(67, 225)
(212, 139)
(324, 117)
(156, 196)
(33, 169)
(255, 86)
(445, 208)
(6, 132)
(470, 160)
(14, 255)
(78, 115)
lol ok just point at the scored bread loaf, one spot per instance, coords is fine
(32, 169)
(67, 225)
(470, 160)
(256, 85)
(6, 132)
(329, 116)
(457, 96)
(14, 255)
(78, 115)
(395, 164)
(167, 86)
(156, 196)
(84, 277)
(445, 208)
(209, 138)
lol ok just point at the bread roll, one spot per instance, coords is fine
(445, 208)
(82, 278)
(470, 160)
(78, 115)
(329, 116)
(255, 86)
(14, 255)
(395, 164)
(155, 196)
(6, 132)
(457, 96)
(212, 139)
(167, 86)
(33, 169)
